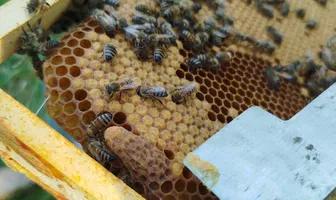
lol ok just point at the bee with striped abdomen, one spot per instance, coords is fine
(159, 54)
(109, 52)
(171, 12)
(203, 37)
(99, 152)
(100, 124)
(107, 22)
(272, 78)
(146, 10)
(224, 56)
(167, 29)
(204, 61)
(276, 35)
(190, 39)
(141, 46)
(285, 9)
(114, 3)
(153, 92)
(119, 86)
(180, 94)
(33, 5)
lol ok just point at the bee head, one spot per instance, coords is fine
(177, 98)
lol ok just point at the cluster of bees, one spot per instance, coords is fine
(316, 78)
(36, 42)
(97, 127)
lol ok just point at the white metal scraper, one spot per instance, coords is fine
(259, 156)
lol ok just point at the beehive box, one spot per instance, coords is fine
(76, 76)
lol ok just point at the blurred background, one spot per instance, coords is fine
(18, 79)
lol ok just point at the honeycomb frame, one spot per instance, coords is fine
(76, 76)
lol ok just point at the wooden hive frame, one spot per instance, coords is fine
(28, 145)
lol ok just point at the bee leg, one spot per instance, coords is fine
(119, 96)
(144, 100)
(158, 100)
(30, 28)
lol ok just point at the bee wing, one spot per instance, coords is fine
(161, 36)
(129, 86)
(131, 30)
(155, 89)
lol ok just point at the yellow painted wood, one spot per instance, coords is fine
(13, 16)
(30, 146)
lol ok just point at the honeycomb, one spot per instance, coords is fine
(159, 137)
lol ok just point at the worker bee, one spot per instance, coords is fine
(140, 18)
(313, 88)
(224, 57)
(109, 52)
(100, 124)
(141, 49)
(202, 61)
(167, 29)
(108, 22)
(329, 53)
(171, 12)
(119, 86)
(33, 5)
(146, 10)
(265, 9)
(241, 37)
(272, 78)
(322, 2)
(203, 37)
(181, 23)
(159, 54)
(99, 152)
(217, 38)
(122, 23)
(197, 27)
(275, 34)
(180, 94)
(220, 16)
(266, 46)
(301, 13)
(306, 66)
(196, 7)
(209, 25)
(285, 9)
(311, 24)
(154, 92)
(114, 3)
(46, 46)
(190, 38)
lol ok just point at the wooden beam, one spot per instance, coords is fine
(14, 15)
(30, 146)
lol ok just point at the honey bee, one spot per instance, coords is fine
(46, 46)
(322, 2)
(171, 12)
(180, 94)
(209, 25)
(329, 53)
(311, 24)
(159, 54)
(108, 22)
(167, 29)
(247, 38)
(285, 9)
(191, 40)
(202, 61)
(203, 37)
(301, 13)
(313, 88)
(181, 23)
(196, 7)
(33, 5)
(141, 49)
(306, 66)
(109, 52)
(146, 10)
(114, 3)
(154, 92)
(224, 56)
(140, 18)
(265, 9)
(266, 46)
(99, 152)
(119, 86)
(272, 78)
(100, 124)
(217, 38)
(220, 16)
(122, 23)
(275, 34)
